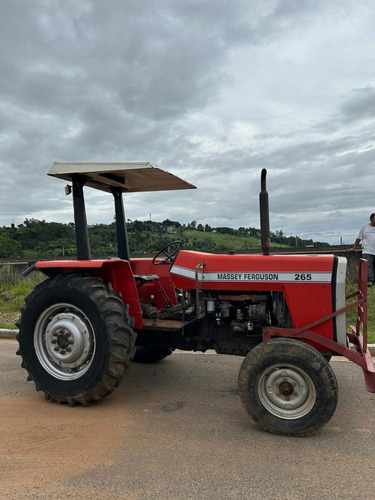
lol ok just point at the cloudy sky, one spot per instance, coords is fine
(210, 90)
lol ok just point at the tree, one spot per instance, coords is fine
(62, 247)
(226, 230)
(10, 249)
(168, 222)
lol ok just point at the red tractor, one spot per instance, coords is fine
(81, 328)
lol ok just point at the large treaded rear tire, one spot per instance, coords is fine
(74, 339)
(287, 387)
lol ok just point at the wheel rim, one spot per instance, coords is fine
(286, 391)
(64, 341)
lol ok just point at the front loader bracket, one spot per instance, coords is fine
(357, 337)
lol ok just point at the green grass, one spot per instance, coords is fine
(13, 290)
(218, 242)
(8, 326)
(196, 240)
(351, 316)
(11, 298)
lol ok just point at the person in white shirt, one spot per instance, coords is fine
(367, 236)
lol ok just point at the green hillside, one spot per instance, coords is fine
(193, 240)
(36, 239)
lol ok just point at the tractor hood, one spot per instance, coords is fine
(234, 272)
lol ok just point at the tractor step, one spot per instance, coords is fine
(164, 324)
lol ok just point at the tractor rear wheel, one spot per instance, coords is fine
(287, 387)
(74, 339)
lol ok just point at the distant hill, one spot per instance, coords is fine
(40, 239)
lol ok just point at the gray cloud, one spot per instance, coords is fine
(212, 91)
(361, 105)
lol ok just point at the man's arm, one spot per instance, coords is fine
(356, 243)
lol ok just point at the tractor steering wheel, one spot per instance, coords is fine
(169, 251)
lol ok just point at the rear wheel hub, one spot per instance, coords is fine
(64, 341)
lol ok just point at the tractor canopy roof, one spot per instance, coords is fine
(128, 176)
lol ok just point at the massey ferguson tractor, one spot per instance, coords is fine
(81, 328)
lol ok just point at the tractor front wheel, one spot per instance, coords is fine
(74, 339)
(287, 387)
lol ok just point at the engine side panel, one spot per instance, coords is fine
(307, 281)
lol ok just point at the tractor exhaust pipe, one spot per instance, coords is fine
(264, 215)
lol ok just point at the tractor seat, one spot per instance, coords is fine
(144, 278)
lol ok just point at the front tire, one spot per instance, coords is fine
(74, 339)
(287, 387)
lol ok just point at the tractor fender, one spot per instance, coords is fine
(117, 272)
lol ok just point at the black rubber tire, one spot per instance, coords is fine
(151, 353)
(326, 356)
(287, 387)
(74, 339)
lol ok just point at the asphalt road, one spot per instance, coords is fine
(177, 430)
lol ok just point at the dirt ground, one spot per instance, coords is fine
(48, 445)
(42, 444)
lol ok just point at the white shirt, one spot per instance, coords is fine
(367, 237)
